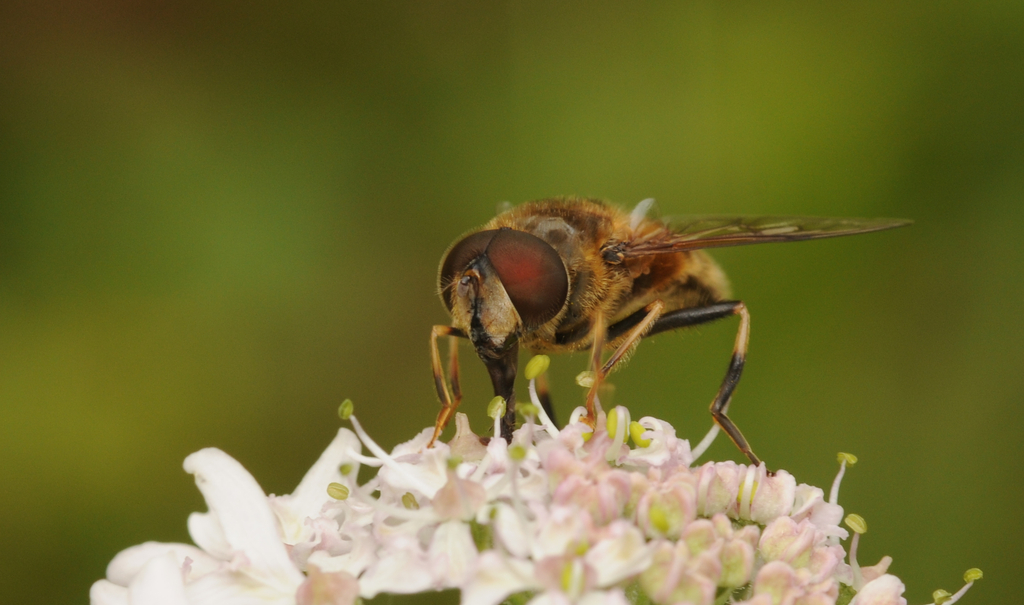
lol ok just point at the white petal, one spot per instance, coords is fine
(611, 597)
(402, 569)
(354, 563)
(127, 563)
(244, 515)
(105, 592)
(311, 493)
(805, 498)
(496, 577)
(774, 496)
(236, 588)
(513, 531)
(661, 435)
(424, 472)
(158, 583)
(618, 558)
(827, 518)
(550, 597)
(884, 590)
(414, 445)
(562, 527)
(208, 533)
(452, 554)
(307, 501)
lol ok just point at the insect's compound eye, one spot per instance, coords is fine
(464, 252)
(533, 274)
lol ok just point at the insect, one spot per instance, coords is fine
(568, 274)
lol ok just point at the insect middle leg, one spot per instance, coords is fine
(449, 403)
(719, 406)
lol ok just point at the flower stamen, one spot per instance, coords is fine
(706, 442)
(575, 417)
(844, 461)
(384, 457)
(496, 410)
(617, 424)
(537, 366)
(942, 597)
(859, 526)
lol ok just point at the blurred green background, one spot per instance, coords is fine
(219, 220)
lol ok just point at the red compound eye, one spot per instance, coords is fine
(533, 274)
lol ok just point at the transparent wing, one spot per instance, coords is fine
(693, 232)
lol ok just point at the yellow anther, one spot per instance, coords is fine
(587, 435)
(753, 490)
(537, 366)
(454, 462)
(409, 501)
(517, 452)
(636, 431)
(940, 596)
(659, 518)
(346, 468)
(345, 409)
(973, 575)
(527, 409)
(567, 577)
(585, 379)
(496, 408)
(849, 459)
(337, 491)
(612, 422)
(856, 523)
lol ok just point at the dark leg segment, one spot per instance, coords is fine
(684, 318)
(690, 317)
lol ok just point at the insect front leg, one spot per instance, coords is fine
(595, 368)
(649, 315)
(449, 403)
(691, 317)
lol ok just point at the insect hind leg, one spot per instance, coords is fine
(683, 318)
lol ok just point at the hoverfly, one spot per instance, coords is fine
(567, 274)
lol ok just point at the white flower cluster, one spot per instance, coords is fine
(555, 517)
